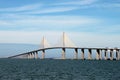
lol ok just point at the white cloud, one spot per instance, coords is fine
(39, 22)
(109, 5)
(52, 10)
(80, 2)
(21, 8)
(41, 8)
(4, 23)
(111, 29)
(102, 5)
(37, 9)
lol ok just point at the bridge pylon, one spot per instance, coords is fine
(44, 43)
(66, 41)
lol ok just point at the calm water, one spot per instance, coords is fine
(16, 69)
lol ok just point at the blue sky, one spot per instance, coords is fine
(89, 23)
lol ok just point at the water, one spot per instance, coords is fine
(10, 49)
(17, 69)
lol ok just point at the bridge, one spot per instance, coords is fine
(66, 43)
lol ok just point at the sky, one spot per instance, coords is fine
(88, 23)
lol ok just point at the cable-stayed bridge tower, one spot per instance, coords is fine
(66, 42)
(44, 44)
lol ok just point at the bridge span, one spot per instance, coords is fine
(101, 53)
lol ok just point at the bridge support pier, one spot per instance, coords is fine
(106, 55)
(118, 54)
(89, 54)
(76, 53)
(63, 53)
(30, 56)
(82, 54)
(33, 55)
(36, 55)
(98, 54)
(43, 54)
(111, 54)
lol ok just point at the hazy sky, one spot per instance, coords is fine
(88, 23)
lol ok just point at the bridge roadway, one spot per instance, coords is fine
(99, 51)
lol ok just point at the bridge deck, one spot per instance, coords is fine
(61, 48)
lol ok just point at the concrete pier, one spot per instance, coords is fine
(76, 53)
(82, 54)
(43, 54)
(63, 53)
(111, 54)
(28, 56)
(117, 54)
(33, 55)
(36, 55)
(89, 54)
(106, 54)
(98, 54)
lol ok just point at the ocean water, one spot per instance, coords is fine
(10, 49)
(49, 69)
